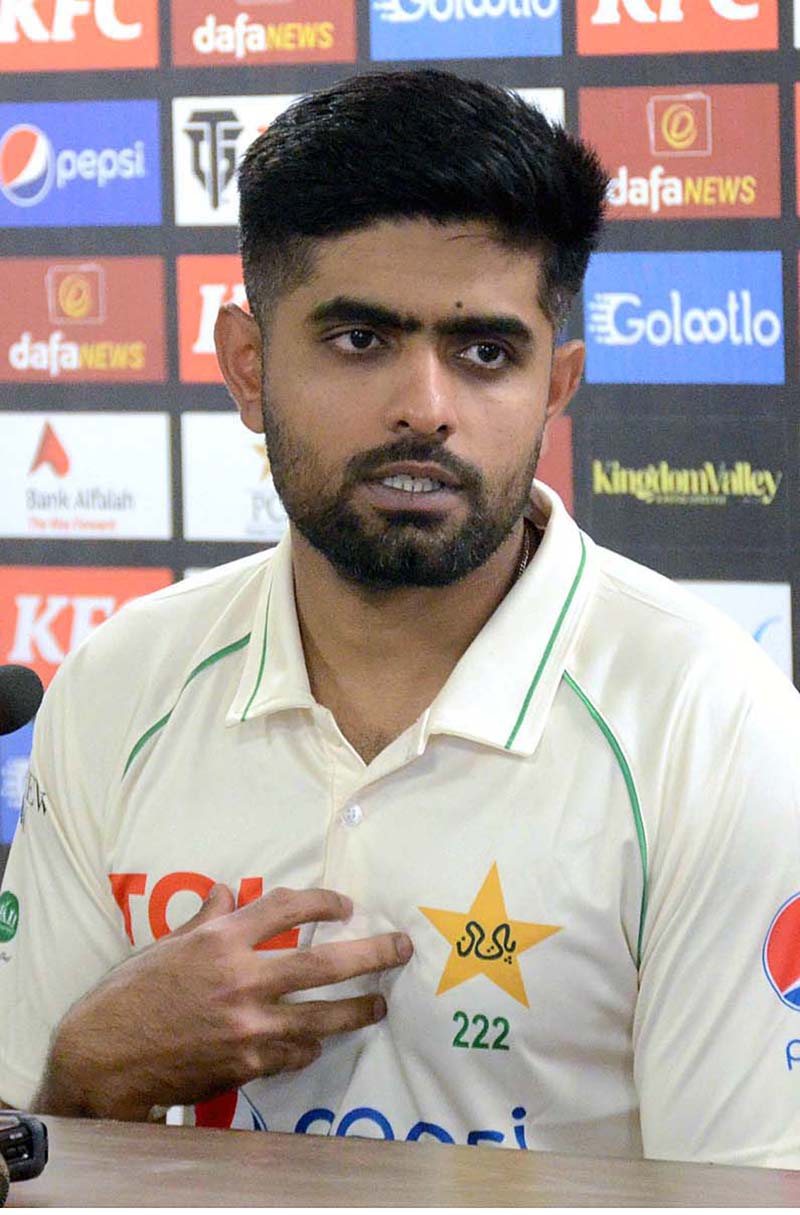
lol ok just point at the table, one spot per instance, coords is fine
(125, 1164)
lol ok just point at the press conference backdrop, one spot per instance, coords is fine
(122, 464)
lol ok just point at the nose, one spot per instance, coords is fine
(423, 400)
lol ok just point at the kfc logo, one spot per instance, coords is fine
(45, 612)
(77, 35)
(630, 27)
(205, 283)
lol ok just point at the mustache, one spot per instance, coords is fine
(364, 465)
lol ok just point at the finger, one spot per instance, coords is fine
(282, 909)
(312, 1019)
(218, 902)
(306, 968)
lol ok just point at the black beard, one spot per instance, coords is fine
(406, 549)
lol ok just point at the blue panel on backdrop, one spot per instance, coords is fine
(79, 164)
(464, 29)
(684, 318)
(15, 750)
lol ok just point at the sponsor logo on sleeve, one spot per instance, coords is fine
(209, 137)
(215, 33)
(781, 953)
(86, 475)
(77, 35)
(662, 27)
(46, 611)
(684, 318)
(464, 29)
(79, 164)
(205, 283)
(9, 915)
(762, 609)
(701, 153)
(83, 320)
(217, 449)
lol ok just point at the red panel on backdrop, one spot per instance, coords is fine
(664, 27)
(205, 282)
(54, 36)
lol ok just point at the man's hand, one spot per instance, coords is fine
(200, 1011)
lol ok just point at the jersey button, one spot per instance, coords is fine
(351, 816)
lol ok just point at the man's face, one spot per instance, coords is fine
(406, 387)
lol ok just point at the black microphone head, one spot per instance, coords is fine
(21, 693)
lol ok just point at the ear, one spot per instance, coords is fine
(238, 341)
(565, 376)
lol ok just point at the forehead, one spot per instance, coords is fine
(426, 269)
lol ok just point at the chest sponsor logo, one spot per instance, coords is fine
(485, 940)
(213, 33)
(78, 164)
(703, 153)
(205, 283)
(9, 915)
(661, 27)
(762, 609)
(46, 611)
(80, 475)
(77, 35)
(781, 953)
(684, 318)
(464, 29)
(15, 751)
(83, 320)
(209, 137)
(217, 449)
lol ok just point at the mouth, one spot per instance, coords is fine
(417, 487)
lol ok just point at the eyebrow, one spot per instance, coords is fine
(345, 309)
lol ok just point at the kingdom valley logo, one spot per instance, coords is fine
(641, 27)
(708, 484)
(45, 612)
(80, 475)
(77, 35)
(212, 33)
(205, 283)
(209, 137)
(97, 320)
(702, 153)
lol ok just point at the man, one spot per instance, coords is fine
(437, 713)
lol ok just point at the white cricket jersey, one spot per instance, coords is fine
(591, 836)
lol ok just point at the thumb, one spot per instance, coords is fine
(218, 902)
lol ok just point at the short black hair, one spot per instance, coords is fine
(417, 144)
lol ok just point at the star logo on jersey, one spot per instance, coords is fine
(485, 941)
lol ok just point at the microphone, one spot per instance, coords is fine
(21, 693)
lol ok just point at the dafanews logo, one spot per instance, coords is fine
(662, 27)
(79, 164)
(83, 320)
(212, 33)
(684, 318)
(209, 137)
(218, 450)
(464, 29)
(77, 35)
(707, 485)
(46, 611)
(84, 475)
(703, 153)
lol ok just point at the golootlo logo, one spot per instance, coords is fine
(27, 165)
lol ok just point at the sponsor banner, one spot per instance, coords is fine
(46, 611)
(85, 476)
(555, 462)
(77, 35)
(709, 152)
(549, 101)
(663, 27)
(15, 750)
(99, 318)
(209, 137)
(692, 482)
(220, 452)
(684, 318)
(762, 609)
(464, 29)
(205, 283)
(79, 164)
(220, 33)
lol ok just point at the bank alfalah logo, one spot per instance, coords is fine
(214, 136)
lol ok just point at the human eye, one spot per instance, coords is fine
(490, 356)
(355, 341)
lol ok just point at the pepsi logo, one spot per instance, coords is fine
(27, 165)
(782, 953)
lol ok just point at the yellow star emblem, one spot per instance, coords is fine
(484, 941)
(259, 449)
